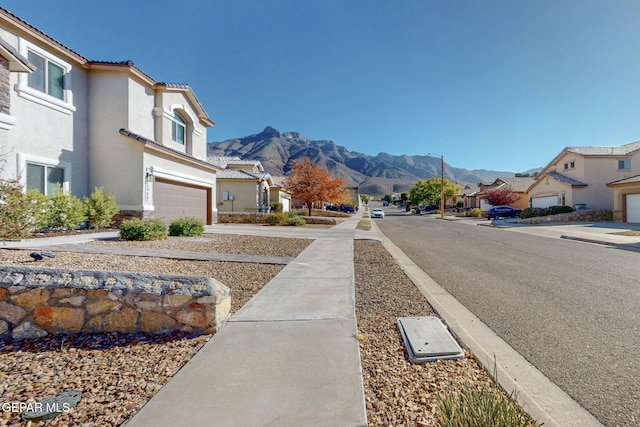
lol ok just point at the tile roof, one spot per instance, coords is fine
(518, 184)
(629, 180)
(223, 161)
(242, 174)
(621, 150)
(152, 143)
(565, 179)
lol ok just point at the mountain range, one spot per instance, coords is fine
(374, 175)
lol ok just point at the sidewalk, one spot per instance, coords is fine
(287, 358)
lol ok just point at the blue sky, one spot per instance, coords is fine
(492, 84)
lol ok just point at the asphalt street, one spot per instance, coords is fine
(571, 308)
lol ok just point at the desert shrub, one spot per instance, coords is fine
(294, 221)
(275, 206)
(275, 218)
(475, 212)
(65, 212)
(39, 208)
(554, 210)
(138, 229)
(100, 208)
(187, 226)
(533, 212)
(15, 220)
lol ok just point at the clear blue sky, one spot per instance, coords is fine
(492, 84)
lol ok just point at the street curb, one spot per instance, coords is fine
(536, 393)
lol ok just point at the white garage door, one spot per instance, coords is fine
(286, 205)
(633, 207)
(544, 202)
(173, 200)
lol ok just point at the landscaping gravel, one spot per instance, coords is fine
(118, 373)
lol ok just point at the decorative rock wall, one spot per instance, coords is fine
(258, 218)
(578, 216)
(35, 302)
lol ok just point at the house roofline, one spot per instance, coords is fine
(156, 146)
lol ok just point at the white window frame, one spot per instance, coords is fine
(176, 125)
(24, 159)
(64, 105)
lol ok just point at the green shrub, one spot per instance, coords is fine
(39, 208)
(66, 212)
(275, 207)
(138, 229)
(188, 226)
(475, 212)
(15, 219)
(554, 210)
(100, 208)
(294, 221)
(288, 218)
(533, 212)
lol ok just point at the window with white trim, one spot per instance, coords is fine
(48, 77)
(178, 129)
(46, 179)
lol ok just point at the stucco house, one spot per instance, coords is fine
(243, 185)
(626, 199)
(585, 178)
(519, 185)
(72, 123)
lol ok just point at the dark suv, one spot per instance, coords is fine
(502, 211)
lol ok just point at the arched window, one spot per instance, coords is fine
(178, 128)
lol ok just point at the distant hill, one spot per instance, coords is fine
(375, 175)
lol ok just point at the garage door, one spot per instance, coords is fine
(633, 207)
(174, 200)
(544, 202)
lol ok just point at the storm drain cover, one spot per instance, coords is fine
(427, 339)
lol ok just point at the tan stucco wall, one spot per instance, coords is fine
(550, 187)
(245, 192)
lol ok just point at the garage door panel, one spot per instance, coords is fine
(544, 202)
(175, 200)
(633, 207)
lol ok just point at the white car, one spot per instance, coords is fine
(377, 213)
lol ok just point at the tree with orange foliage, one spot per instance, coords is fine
(501, 196)
(312, 184)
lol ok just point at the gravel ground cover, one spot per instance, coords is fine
(118, 373)
(398, 392)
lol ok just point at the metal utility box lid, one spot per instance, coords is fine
(427, 339)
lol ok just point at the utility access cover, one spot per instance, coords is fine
(427, 339)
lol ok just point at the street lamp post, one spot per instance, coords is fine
(441, 183)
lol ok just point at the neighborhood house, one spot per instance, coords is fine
(76, 124)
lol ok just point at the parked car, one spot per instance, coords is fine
(501, 211)
(377, 213)
(331, 208)
(347, 209)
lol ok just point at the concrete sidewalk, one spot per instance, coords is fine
(289, 357)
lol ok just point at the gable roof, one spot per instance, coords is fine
(630, 180)
(621, 150)
(565, 179)
(518, 184)
(224, 161)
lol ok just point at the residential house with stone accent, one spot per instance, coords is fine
(519, 185)
(76, 124)
(592, 178)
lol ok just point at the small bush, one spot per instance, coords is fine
(275, 207)
(294, 221)
(100, 208)
(554, 210)
(39, 207)
(138, 229)
(15, 220)
(475, 212)
(66, 212)
(187, 227)
(288, 218)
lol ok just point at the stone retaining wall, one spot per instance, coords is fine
(35, 302)
(577, 216)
